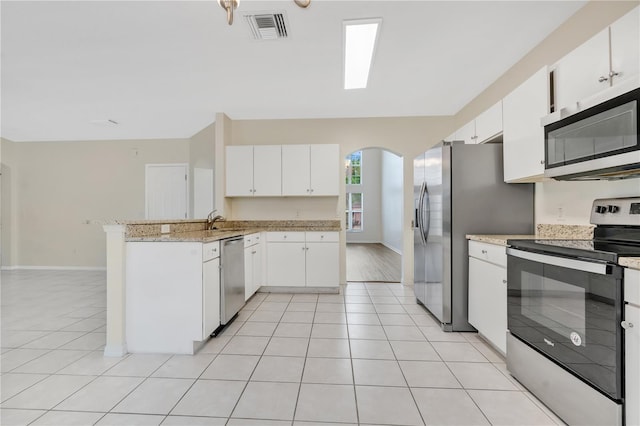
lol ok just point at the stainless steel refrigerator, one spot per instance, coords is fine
(459, 190)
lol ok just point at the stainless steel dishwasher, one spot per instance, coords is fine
(232, 278)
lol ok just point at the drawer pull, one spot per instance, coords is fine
(484, 252)
(504, 281)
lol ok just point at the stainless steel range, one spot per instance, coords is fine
(565, 315)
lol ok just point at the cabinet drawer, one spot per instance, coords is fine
(320, 237)
(210, 251)
(489, 252)
(294, 237)
(632, 286)
(251, 240)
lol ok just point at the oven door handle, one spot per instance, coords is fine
(563, 262)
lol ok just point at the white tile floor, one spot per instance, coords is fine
(367, 356)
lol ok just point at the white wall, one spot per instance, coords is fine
(569, 203)
(391, 202)
(371, 198)
(202, 157)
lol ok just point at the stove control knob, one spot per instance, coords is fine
(601, 209)
(613, 209)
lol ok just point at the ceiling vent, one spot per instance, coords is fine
(268, 26)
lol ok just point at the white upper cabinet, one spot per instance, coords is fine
(253, 171)
(583, 72)
(489, 123)
(239, 168)
(467, 133)
(296, 175)
(523, 136)
(325, 169)
(625, 47)
(607, 59)
(484, 127)
(310, 170)
(267, 170)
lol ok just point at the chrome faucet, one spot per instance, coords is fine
(211, 220)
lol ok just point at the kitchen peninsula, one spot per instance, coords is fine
(163, 280)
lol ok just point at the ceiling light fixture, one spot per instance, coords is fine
(231, 5)
(360, 38)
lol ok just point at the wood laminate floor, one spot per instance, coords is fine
(371, 262)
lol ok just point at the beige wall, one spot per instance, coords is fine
(62, 188)
(7, 202)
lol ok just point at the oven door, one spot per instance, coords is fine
(569, 310)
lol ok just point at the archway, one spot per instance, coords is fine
(374, 215)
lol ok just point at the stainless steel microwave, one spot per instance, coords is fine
(599, 143)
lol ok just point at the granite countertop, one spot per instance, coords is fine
(499, 239)
(238, 228)
(630, 262)
(205, 236)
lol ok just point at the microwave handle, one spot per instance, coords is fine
(579, 265)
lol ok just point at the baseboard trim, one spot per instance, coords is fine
(391, 248)
(299, 290)
(54, 268)
(115, 350)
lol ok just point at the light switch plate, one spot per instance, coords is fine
(165, 229)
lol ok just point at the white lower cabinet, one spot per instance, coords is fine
(252, 264)
(302, 259)
(322, 264)
(488, 292)
(632, 346)
(210, 296)
(172, 295)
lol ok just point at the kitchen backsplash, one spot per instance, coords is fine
(559, 202)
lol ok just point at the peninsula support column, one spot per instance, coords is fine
(116, 308)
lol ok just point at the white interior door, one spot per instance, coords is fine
(166, 191)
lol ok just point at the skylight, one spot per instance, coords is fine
(359, 44)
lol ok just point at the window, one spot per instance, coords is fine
(354, 212)
(353, 165)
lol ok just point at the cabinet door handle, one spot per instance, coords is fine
(484, 252)
(626, 325)
(542, 162)
(613, 73)
(504, 281)
(308, 190)
(602, 79)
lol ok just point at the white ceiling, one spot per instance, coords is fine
(162, 69)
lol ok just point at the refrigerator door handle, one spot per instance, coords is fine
(423, 190)
(426, 199)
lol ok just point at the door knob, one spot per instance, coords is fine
(626, 325)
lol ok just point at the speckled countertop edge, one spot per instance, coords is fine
(500, 240)
(630, 262)
(543, 232)
(554, 232)
(243, 228)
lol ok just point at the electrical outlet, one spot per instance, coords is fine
(165, 229)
